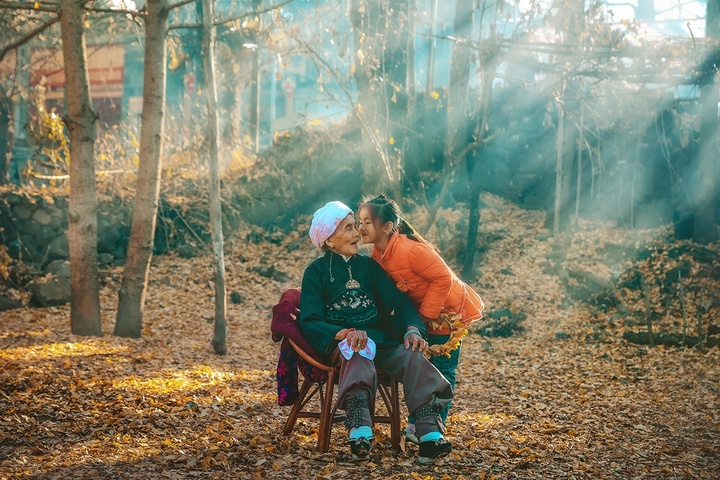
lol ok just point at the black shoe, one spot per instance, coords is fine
(360, 448)
(432, 450)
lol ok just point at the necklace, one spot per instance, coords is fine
(351, 284)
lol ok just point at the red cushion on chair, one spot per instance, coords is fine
(285, 322)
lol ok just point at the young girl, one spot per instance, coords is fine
(418, 270)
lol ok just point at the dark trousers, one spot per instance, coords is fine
(447, 365)
(423, 385)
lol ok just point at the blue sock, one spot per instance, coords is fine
(357, 432)
(431, 437)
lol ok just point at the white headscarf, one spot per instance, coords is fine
(326, 220)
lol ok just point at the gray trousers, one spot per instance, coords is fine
(423, 385)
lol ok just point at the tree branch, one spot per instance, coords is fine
(374, 138)
(25, 38)
(179, 4)
(134, 13)
(52, 8)
(30, 6)
(223, 21)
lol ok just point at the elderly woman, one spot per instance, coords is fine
(353, 313)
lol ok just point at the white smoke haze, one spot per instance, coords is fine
(626, 81)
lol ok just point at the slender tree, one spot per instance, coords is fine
(458, 118)
(489, 61)
(365, 38)
(570, 20)
(142, 232)
(380, 37)
(704, 226)
(461, 121)
(218, 341)
(82, 210)
(562, 167)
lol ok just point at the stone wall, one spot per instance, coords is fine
(33, 228)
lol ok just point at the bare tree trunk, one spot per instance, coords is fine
(456, 142)
(633, 183)
(488, 75)
(218, 341)
(82, 210)
(489, 63)
(376, 43)
(255, 98)
(457, 117)
(559, 217)
(648, 308)
(704, 227)
(397, 98)
(142, 232)
(428, 133)
(409, 139)
(572, 21)
(580, 146)
(559, 164)
(19, 117)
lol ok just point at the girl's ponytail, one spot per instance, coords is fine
(407, 229)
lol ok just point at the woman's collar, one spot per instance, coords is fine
(347, 259)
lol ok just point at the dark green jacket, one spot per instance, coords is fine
(378, 307)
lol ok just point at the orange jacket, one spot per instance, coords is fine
(418, 270)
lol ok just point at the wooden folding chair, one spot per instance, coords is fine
(388, 391)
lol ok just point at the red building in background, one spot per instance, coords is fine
(106, 73)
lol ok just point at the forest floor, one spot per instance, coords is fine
(566, 398)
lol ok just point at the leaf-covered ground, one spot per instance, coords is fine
(566, 398)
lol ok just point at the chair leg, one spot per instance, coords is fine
(395, 415)
(326, 416)
(390, 395)
(297, 406)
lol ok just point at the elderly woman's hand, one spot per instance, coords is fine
(413, 340)
(357, 339)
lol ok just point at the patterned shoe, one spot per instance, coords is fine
(360, 448)
(432, 450)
